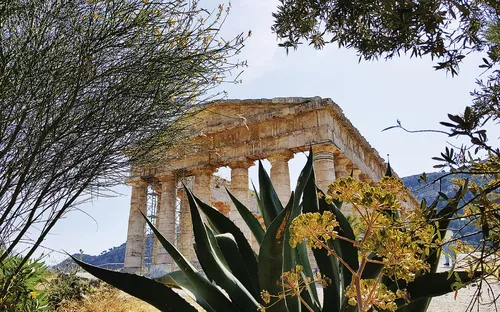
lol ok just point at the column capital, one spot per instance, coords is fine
(136, 182)
(364, 178)
(165, 177)
(324, 147)
(202, 170)
(243, 163)
(285, 155)
(352, 168)
(341, 161)
(136, 170)
(157, 188)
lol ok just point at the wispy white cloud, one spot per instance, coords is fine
(260, 49)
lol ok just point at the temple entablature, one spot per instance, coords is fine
(239, 130)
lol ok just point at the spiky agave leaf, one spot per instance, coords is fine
(214, 263)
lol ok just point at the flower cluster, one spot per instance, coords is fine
(363, 195)
(293, 282)
(375, 296)
(315, 228)
(401, 251)
(385, 227)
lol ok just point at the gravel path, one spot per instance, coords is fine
(459, 301)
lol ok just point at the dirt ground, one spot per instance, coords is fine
(451, 302)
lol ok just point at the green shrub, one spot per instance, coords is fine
(69, 287)
(23, 291)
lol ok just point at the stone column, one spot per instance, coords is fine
(166, 217)
(239, 189)
(186, 236)
(354, 170)
(156, 243)
(223, 208)
(203, 184)
(202, 188)
(340, 163)
(280, 174)
(324, 166)
(134, 250)
(324, 171)
(342, 170)
(239, 181)
(363, 177)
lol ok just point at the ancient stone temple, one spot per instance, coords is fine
(235, 133)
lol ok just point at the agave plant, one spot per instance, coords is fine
(279, 277)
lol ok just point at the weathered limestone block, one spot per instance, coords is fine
(222, 207)
(219, 186)
(353, 170)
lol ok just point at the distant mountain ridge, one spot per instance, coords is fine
(114, 257)
(111, 259)
(426, 190)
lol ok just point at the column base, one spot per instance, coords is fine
(157, 270)
(132, 270)
(133, 262)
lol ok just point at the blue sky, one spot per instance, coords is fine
(373, 95)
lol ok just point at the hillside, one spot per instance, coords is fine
(428, 191)
(114, 257)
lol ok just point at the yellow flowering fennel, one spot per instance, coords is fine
(293, 283)
(397, 235)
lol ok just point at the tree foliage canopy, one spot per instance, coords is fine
(83, 81)
(446, 31)
(443, 29)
